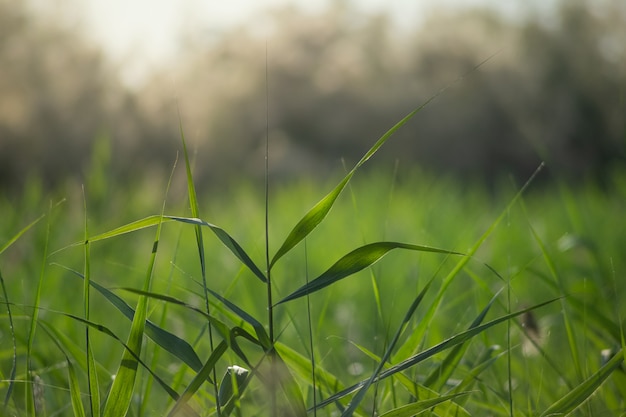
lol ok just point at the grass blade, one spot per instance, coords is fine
(92, 373)
(156, 219)
(421, 406)
(582, 392)
(75, 394)
(356, 261)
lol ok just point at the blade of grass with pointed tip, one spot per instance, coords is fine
(168, 341)
(421, 406)
(258, 327)
(155, 219)
(15, 237)
(580, 394)
(356, 261)
(317, 214)
(446, 344)
(228, 241)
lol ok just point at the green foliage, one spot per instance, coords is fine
(537, 252)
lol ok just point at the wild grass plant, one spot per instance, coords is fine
(413, 296)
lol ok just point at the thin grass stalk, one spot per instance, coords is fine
(7, 396)
(270, 304)
(195, 212)
(92, 375)
(30, 400)
(508, 323)
(310, 325)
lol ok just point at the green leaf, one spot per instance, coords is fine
(156, 219)
(421, 406)
(355, 261)
(228, 241)
(256, 325)
(576, 397)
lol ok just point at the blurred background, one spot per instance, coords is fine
(100, 85)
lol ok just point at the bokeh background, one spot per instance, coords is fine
(87, 84)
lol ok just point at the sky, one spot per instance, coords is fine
(143, 34)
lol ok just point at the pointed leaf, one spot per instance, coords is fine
(354, 262)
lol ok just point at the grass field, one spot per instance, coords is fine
(477, 302)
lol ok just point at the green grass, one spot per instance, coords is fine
(411, 294)
(409, 332)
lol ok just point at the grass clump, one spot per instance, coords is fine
(434, 302)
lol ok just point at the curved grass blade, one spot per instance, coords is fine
(168, 341)
(228, 241)
(582, 392)
(421, 406)
(156, 219)
(317, 214)
(256, 325)
(422, 356)
(356, 261)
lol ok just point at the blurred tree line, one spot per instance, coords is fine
(553, 91)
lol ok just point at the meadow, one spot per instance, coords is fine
(380, 293)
